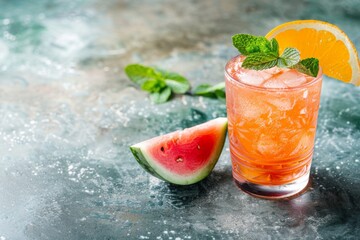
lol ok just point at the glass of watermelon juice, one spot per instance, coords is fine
(272, 117)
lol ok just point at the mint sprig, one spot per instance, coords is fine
(259, 61)
(175, 81)
(162, 96)
(262, 53)
(211, 91)
(309, 66)
(159, 83)
(248, 44)
(274, 46)
(162, 84)
(140, 73)
(289, 58)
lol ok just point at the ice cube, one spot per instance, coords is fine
(285, 79)
(305, 94)
(303, 111)
(275, 70)
(292, 78)
(249, 109)
(253, 77)
(303, 143)
(274, 83)
(267, 145)
(282, 104)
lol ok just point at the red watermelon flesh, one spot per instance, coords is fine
(183, 157)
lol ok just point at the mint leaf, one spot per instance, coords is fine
(301, 68)
(153, 85)
(175, 81)
(159, 83)
(139, 73)
(290, 57)
(309, 66)
(259, 61)
(161, 97)
(274, 46)
(206, 90)
(220, 94)
(263, 54)
(203, 90)
(247, 44)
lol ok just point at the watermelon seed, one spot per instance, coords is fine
(179, 159)
(162, 149)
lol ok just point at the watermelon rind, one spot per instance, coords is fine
(136, 151)
(155, 169)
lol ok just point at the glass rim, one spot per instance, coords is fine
(262, 88)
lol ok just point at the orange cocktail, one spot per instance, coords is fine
(272, 118)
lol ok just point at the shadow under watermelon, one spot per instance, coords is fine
(179, 197)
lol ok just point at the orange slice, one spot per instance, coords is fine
(336, 53)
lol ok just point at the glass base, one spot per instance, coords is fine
(274, 191)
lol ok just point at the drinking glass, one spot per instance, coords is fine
(271, 134)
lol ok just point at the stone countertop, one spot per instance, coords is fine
(68, 115)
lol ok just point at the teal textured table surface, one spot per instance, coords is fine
(68, 115)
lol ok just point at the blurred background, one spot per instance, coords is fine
(68, 114)
(59, 39)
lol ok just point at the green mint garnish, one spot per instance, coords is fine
(309, 66)
(259, 61)
(139, 73)
(162, 96)
(161, 84)
(263, 54)
(207, 90)
(175, 81)
(248, 44)
(274, 46)
(153, 85)
(289, 58)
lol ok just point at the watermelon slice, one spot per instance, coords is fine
(183, 157)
